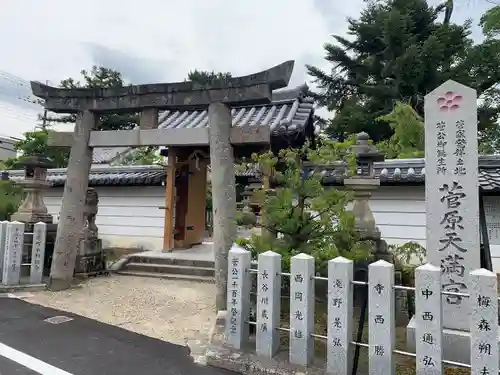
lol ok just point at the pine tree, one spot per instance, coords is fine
(101, 77)
(400, 50)
(205, 77)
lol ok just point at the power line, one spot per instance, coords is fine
(10, 109)
(21, 85)
(14, 78)
(22, 118)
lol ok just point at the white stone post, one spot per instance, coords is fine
(3, 235)
(268, 304)
(452, 194)
(483, 322)
(340, 303)
(38, 252)
(238, 297)
(301, 309)
(13, 253)
(382, 324)
(429, 321)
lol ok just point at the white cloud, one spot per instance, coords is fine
(158, 40)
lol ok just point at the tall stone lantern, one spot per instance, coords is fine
(363, 183)
(32, 209)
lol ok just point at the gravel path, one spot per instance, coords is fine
(181, 312)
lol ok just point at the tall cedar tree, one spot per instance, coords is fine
(400, 50)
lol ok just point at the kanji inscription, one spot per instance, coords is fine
(451, 193)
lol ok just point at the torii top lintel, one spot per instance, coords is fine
(252, 89)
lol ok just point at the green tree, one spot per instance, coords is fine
(206, 77)
(35, 143)
(100, 78)
(407, 140)
(400, 50)
(141, 156)
(303, 216)
(149, 155)
(10, 199)
(490, 22)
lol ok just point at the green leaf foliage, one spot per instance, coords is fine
(100, 77)
(35, 143)
(141, 156)
(407, 140)
(400, 50)
(490, 22)
(205, 77)
(10, 198)
(302, 215)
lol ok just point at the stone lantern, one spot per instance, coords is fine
(363, 183)
(32, 209)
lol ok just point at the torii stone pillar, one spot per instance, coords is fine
(221, 136)
(223, 193)
(71, 219)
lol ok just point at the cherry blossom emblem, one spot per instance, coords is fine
(449, 102)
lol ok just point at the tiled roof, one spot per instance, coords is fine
(391, 172)
(288, 112)
(104, 175)
(403, 171)
(122, 175)
(105, 155)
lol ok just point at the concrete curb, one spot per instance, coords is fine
(22, 288)
(247, 362)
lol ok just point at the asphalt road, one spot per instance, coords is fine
(30, 345)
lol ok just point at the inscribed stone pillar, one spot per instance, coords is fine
(381, 315)
(3, 234)
(13, 253)
(484, 322)
(301, 309)
(238, 297)
(268, 304)
(429, 320)
(451, 193)
(38, 252)
(223, 193)
(340, 304)
(71, 218)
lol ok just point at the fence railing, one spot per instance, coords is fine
(12, 236)
(482, 300)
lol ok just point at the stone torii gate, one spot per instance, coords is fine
(148, 99)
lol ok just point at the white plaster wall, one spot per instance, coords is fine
(400, 215)
(128, 216)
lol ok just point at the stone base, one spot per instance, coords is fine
(91, 258)
(22, 288)
(456, 344)
(247, 362)
(32, 217)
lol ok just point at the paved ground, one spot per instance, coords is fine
(181, 312)
(83, 346)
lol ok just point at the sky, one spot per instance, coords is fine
(162, 40)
